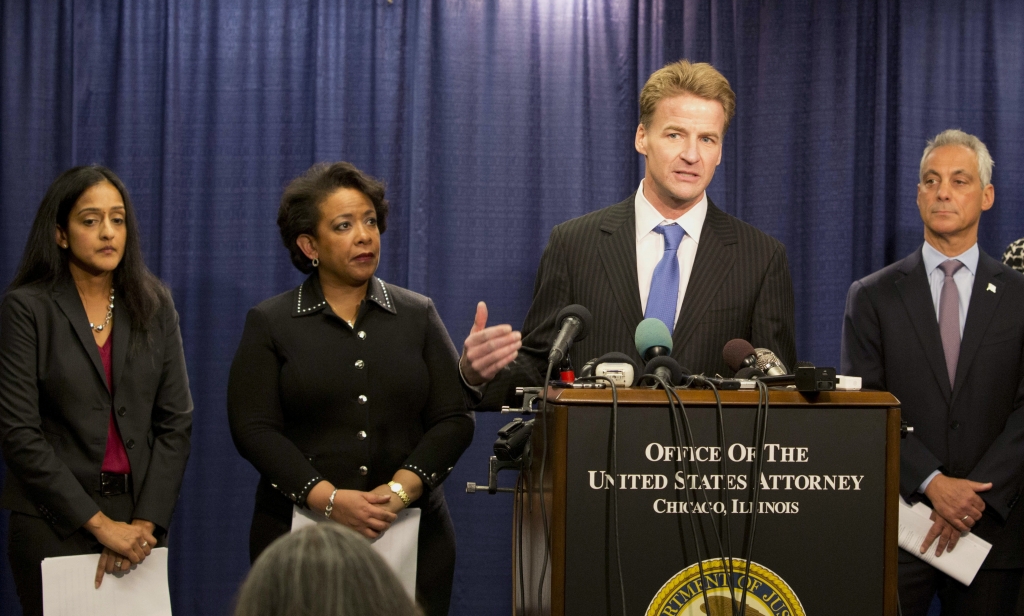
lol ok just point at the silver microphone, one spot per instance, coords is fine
(768, 363)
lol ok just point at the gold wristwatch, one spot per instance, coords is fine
(397, 489)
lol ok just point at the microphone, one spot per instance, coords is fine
(768, 363)
(573, 325)
(666, 367)
(617, 367)
(740, 354)
(749, 372)
(653, 339)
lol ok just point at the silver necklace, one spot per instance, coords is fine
(110, 314)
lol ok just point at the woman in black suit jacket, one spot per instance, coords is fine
(95, 410)
(345, 392)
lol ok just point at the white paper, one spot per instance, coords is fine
(398, 546)
(69, 587)
(961, 564)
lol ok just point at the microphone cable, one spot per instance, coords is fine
(725, 554)
(615, 492)
(540, 488)
(760, 435)
(613, 459)
(677, 436)
(727, 565)
(521, 494)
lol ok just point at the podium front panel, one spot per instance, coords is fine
(820, 538)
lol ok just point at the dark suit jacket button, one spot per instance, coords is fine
(363, 470)
(954, 425)
(130, 444)
(121, 411)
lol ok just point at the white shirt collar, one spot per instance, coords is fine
(933, 258)
(647, 218)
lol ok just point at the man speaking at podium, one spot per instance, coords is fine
(665, 252)
(943, 330)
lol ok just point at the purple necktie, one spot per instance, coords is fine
(949, 317)
(661, 302)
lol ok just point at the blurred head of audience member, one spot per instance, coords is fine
(322, 570)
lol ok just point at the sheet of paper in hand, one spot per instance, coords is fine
(398, 546)
(961, 564)
(69, 587)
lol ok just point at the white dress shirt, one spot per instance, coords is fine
(650, 246)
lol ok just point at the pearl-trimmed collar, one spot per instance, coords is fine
(308, 297)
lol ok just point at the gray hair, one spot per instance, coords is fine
(322, 570)
(955, 136)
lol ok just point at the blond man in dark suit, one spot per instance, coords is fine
(665, 252)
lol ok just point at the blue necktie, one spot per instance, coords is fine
(661, 303)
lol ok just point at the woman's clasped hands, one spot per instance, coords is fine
(124, 545)
(368, 513)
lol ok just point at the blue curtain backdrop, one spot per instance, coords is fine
(491, 121)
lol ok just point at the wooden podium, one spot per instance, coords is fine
(826, 525)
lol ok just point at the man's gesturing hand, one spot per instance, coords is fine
(487, 349)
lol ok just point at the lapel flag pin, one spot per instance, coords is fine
(991, 288)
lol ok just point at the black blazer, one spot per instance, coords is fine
(310, 397)
(55, 408)
(974, 430)
(739, 288)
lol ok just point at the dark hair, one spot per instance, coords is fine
(139, 292)
(322, 570)
(300, 204)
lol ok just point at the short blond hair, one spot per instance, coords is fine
(683, 77)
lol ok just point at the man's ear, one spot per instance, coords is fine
(988, 197)
(639, 141)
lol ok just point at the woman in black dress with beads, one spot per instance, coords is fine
(345, 391)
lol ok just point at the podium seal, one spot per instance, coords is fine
(767, 593)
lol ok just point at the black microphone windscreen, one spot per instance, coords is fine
(581, 313)
(750, 372)
(616, 357)
(735, 351)
(665, 362)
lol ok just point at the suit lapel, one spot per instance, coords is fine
(711, 266)
(618, 255)
(917, 299)
(984, 302)
(70, 303)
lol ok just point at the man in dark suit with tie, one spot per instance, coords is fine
(666, 252)
(943, 330)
